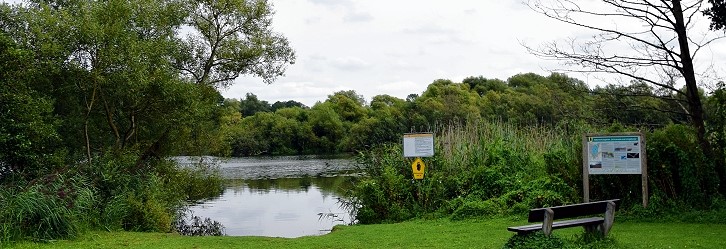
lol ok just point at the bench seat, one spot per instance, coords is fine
(592, 221)
(551, 218)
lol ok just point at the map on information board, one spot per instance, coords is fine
(614, 155)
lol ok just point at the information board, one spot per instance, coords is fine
(418, 145)
(614, 155)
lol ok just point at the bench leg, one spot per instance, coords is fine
(609, 218)
(547, 223)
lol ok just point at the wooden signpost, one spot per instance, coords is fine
(614, 153)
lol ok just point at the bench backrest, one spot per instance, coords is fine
(571, 211)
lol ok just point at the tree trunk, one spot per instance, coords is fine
(694, 100)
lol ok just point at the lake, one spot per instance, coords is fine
(279, 196)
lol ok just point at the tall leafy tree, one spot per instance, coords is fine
(251, 105)
(28, 136)
(233, 38)
(348, 104)
(123, 78)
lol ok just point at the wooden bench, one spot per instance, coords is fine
(550, 214)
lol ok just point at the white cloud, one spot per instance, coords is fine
(350, 63)
(356, 17)
(399, 47)
(428, 29)
(332, 3)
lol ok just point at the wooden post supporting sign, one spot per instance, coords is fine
(614, 153)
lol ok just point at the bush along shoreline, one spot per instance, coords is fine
(493, 169)
(107, 195)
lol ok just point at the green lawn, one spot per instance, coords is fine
(413, 234)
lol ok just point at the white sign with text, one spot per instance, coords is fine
(418, 145)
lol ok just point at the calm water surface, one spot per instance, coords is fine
(280, 196)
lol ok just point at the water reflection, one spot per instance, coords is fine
(285, 207)
(284, 167)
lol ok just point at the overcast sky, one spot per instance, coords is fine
(399, 47)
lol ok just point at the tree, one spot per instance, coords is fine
(446, 102)
(613, 104)
(286, 104)
(661, 51)
(122, 80)
(482, 85)
(327, 126)
(233, 38)
(251, 105)
(28, 136)
(348, 104)
(717, 13)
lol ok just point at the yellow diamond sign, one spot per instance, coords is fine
(418, 167)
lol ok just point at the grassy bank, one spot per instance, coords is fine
(412, 234)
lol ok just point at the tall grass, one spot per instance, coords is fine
(478, 168)
(475, 143)
(494, 168)
(107, 195)
(51, 209)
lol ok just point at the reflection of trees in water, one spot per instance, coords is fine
(286, 167)
(337, 185)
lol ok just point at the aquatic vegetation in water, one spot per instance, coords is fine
(197, 226)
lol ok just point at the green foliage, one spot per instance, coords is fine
(669, 210)
(715, 108)
(251, 105)
(55, 206)
(28, 139)
(385, 198)
(146, 213)
(634, 105)
(106, 196)
(476, 209)
(481, 170)
(495, 168)
(565, 164)
(592, 240)
(525, 100)
(233, 38)
(327, 126)
(482, 85)
(678, 168)
(106, 90)
(96, 95)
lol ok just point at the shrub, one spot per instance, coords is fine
(520, 168)
(52, 207)
(476, 209)
(479, 170)
(678, 168)
(113, 193)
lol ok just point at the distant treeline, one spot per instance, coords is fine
(346, 122)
